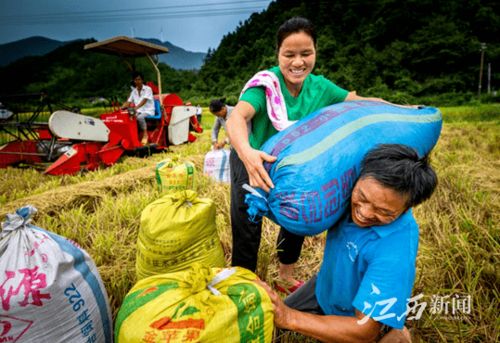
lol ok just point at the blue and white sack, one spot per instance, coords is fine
(319, 159)
(216, 165)
(50, 290)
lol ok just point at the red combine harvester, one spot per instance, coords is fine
(72, 142)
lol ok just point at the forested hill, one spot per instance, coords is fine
(417, 51)
(397, 49)
(177, 58)
(32, 46)
(70, 73)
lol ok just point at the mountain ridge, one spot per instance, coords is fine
(177, 58)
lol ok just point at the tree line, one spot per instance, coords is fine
(405, 51)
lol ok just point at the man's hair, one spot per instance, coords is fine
(294, 25)
(136, 74)
(400, 168)
(216, 105)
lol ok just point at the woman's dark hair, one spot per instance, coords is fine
(400, 168)
(216, 105)
(295, 25)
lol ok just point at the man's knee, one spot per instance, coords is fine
(397, 336)
(141, 121)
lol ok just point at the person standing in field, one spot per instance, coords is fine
(199, 111)
(299, 93)
(222, 111)
(142, 98)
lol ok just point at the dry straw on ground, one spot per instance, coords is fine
(459, 246)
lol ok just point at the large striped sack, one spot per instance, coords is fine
(199, 304)
(216, 165)
(50, 289)
(319, 158)
(176, 231)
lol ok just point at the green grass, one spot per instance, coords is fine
(479, 113)
(459, 248)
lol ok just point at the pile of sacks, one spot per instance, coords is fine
(183, 292)
(50, 289)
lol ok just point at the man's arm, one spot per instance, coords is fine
(147, 94)
(215, 130)
(324, 328)
(128, 102)
(143, 101)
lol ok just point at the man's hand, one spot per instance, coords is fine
(131, 111)
(257, 174)
(218, 145)
(282, 313)
(326, 328)
(125, 105)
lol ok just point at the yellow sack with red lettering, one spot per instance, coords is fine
(200, 304)
(176, 231)
(172, 175)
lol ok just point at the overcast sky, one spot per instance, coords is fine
(194, 25)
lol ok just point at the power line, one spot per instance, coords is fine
(108, 19)
(128, 11)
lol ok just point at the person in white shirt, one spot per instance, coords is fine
(199, 111)
(142, 98)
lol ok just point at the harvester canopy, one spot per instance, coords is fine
(126, 46)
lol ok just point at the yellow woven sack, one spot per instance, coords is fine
(177, 230)
(200, 304)
(174, 176)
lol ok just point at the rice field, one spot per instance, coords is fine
(459, 248)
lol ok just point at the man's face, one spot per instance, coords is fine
(138, 81)
(222, 113)
(374, 204)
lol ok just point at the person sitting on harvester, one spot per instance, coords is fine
(142, 98)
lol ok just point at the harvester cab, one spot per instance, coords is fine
(91, 142)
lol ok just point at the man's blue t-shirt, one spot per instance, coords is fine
(369, 269)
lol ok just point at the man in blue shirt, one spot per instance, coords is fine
(368, 269)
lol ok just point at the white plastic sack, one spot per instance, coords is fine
(216, 165)
(50, 290)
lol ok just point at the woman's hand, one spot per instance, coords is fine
(257, 174)
(353, 96)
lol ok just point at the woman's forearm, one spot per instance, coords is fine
(237, 128)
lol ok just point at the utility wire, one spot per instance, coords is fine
(107, 19)
(131, 11)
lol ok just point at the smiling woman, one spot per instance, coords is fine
(272, 101)
(296, 58)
